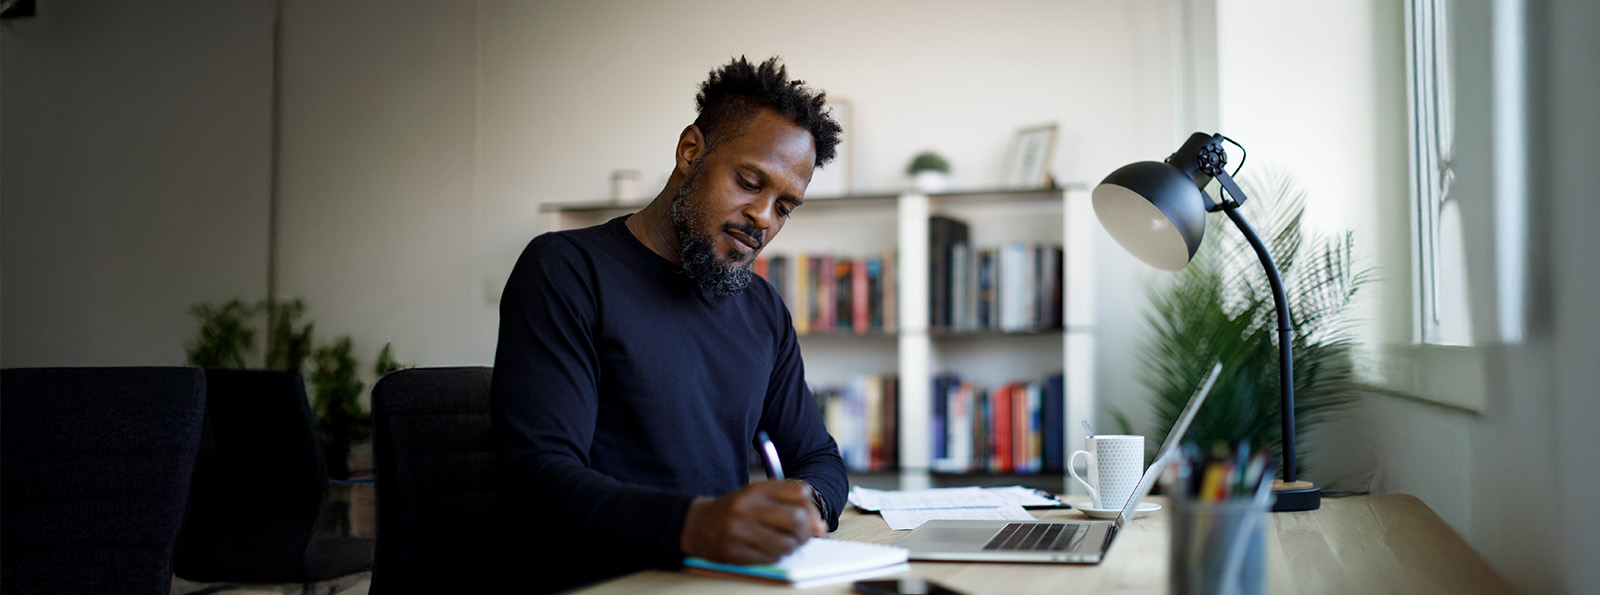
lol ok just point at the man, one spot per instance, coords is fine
(638, 358)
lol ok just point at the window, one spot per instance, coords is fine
(1439, 275)
(1469, 194)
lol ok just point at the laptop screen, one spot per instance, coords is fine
(1174, 437)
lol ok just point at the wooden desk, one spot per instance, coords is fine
(1365, 544)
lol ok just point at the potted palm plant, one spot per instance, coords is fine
(1219, 308)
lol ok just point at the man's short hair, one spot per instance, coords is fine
(735, 92)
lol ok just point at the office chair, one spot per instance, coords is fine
(96, 465)
(259, 507)
(436, 481)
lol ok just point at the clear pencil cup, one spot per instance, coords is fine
(1218, 548)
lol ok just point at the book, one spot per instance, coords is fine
(959, 263)
(943, 234)
(844, 288)
(824, 280)
(1050, 287)
(938, 429)
(872, 407)
(801, 310)
(891, 320)
(987, 307)
(819, 562)
(875, 294)
(891, 422)
(1053, 412)
(1001, 421)
(860, 296)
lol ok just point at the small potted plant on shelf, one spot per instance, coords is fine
(929, 172)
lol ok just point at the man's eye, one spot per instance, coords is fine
(748, 185)
(783, 211)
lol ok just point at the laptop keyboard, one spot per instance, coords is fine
(1032, 537)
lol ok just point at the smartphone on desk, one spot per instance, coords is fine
(910, 585)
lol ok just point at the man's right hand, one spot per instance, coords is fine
(758, 524)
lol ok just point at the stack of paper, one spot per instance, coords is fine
(818, 562)
(904, 510)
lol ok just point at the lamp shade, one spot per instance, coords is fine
(1155, 211)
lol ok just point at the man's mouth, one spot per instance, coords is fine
(750, 244)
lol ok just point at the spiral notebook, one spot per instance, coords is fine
(818, 562)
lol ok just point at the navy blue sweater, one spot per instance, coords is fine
(622, 390)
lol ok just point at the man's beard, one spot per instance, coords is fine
(697, 250)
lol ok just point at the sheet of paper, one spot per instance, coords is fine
(900, 520)
(1021, 496)
(870, 499)
(968, 497)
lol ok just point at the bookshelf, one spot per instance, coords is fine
(899, 223)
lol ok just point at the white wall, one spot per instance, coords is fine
(1566, 88)
(417, 140)
(134, 175)
(392, 231)
(377, 151)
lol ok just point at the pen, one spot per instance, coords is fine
(769, 456)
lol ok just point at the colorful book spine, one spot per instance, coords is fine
(891, 284)
(800, 308)
(872, 408)
(860, 297)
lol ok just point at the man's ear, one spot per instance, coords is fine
(691, 147)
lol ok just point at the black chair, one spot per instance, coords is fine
(437, 486)
(259, 509)
(96, 464)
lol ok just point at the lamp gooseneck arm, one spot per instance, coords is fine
(1285, 327)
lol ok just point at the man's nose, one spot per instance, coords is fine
(761, 213)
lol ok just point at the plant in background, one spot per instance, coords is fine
(333, 379)
(336, 399)
(1219, 308)
(387, 362)
(287, 345)
(929, 172)
(225, 335)
(928, 161)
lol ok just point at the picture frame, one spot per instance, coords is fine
(1028, 160)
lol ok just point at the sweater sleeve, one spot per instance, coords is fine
(795, 423)
(544, 397)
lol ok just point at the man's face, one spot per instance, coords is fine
(738, 197)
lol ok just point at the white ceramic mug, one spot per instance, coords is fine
(1116, 462)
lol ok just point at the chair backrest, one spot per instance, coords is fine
(96, 465)
(436, 480)
(259, 484)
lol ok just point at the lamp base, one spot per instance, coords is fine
(1297, 496)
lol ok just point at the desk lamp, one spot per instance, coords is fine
(1156, 210)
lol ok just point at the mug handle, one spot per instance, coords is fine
(1094, 495)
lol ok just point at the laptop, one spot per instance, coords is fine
(1063, 542)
